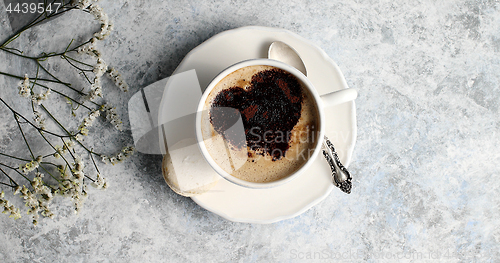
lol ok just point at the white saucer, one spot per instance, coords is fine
(241, 204)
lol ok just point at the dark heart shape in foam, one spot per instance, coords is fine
(269, 109)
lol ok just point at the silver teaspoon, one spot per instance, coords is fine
(341, 177)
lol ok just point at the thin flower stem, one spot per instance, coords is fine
(13, 186)
(57, 80)
(10, 40)
(30, 123)
(33, 86)
(74, 159)
(70, 42)
(10, 178)
(41, 58)
(16, 170)
(48, 155)
(85, 64)
(90, 151)
(78, 68)
(49, 163)
(68, 97)
(64, 128)
(45, 55)
(34, 23)
(41, 79)
(14, 157)
(54, 148)
(51, 175)
(69, 151)
(95, 165)
(15, 49)
(77, 47)
(55, 91)
(71, 135)
(34, 82)
(58, 123)
(24, 137)
(88, 177)
(14, 53)
(62, 156)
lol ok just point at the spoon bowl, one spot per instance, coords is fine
(286, 54)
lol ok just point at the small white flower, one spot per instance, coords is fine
(45, 94)
(78, 163)
(37, 182)
(93, 41)
(90, 49)
(100, 67)
(106, 25)
(117, 78)
(68, 145)
(17, 190)
(105, 159)
(100, 182)
(95, 90)
(97, 12)
(78, 176)
(94, 114)
(120, 157)
(112, 116)
(14, 212)
(39, 120)
(128, 151)
(59, 151)
(47, 213)
(79, 137)
(88, 121)
(46, 192)
(28, 167)
(82, 4)
(83, 132)
(24, 87)
(39, 98)
(106, 28)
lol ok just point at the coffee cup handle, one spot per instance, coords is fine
(338, 97)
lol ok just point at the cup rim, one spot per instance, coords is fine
(255, 62)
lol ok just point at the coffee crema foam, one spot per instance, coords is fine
(235, 114)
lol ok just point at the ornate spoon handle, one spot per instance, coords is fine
(341, 177)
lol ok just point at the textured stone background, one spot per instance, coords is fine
(425, 164)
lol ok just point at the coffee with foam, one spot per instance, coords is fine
(260, 123)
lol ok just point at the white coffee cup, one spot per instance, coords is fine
(322, 101)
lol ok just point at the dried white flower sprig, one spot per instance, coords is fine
(8, 208)
(24, 87)
(112, 116)
(117, 79)
(64, 165)
(120, 157)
